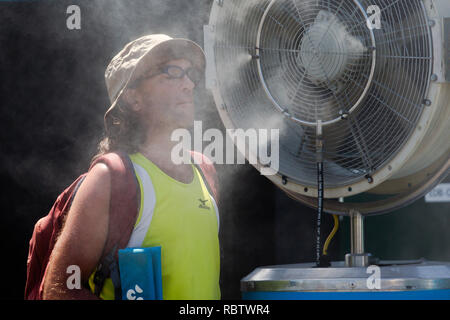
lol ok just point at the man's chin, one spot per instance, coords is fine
(185, 121)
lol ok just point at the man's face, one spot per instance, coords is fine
(166, 100)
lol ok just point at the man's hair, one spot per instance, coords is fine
(124, 131)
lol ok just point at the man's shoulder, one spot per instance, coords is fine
(111, 159)
(118, 168)
(100, 171)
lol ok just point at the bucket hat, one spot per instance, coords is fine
(139, 55)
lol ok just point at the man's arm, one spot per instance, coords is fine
(83, 237)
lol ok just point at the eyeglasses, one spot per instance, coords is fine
(176, 72)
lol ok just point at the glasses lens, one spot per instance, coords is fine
(195, 75)
(175, 72)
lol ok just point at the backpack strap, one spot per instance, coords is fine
(122, 217)
(108, 267)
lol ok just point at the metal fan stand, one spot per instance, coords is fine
(358, 257)
(352, 279)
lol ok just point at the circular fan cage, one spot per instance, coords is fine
(296, 65)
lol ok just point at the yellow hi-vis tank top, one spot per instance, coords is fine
(183, 219)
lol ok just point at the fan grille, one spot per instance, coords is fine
(308, 60)
(287, 64)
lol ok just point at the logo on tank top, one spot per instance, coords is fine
(202, 204)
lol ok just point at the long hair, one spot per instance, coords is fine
(123, 131)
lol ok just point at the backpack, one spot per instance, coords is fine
(123, 213)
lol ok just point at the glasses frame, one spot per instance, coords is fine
(165, 69)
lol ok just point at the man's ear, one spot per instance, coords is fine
(131, 98)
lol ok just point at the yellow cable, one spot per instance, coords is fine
(333, 232)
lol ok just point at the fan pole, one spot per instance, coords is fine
(357, 257)
(319, 156)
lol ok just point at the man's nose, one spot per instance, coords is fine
(187, 83)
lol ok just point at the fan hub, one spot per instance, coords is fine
(324, 51)
(316, 69)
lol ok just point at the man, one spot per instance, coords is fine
(150, 84)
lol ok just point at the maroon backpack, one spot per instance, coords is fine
(123, 212)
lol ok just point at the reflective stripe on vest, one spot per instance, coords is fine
(147, 207)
